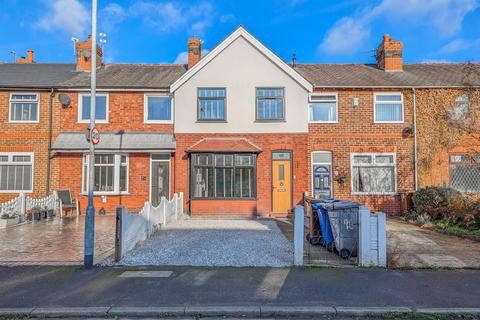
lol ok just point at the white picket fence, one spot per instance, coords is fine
(133, 228)
(23, 203)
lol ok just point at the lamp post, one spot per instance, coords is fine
(90, 214)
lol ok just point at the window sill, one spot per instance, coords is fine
(211, 121)
(24, 122)
(323, 122)
(100, 194)
(374, 194)
(158, 122)
(224, 199)
(96, 122)
(16, 191)
(389, 122)
(270, 121)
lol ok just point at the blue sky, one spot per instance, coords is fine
(318, 31)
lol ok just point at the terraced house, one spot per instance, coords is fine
(239, 131)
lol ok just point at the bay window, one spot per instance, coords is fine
(223, 176)
(110, 174)
(373, 173)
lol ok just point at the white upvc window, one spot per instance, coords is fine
(111, 174)
(158, 108)
(16, 172)
(388, 107)
(24, 107)
(101, 108)
(323, 107)
(373, 173)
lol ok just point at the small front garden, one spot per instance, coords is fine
(446, 210)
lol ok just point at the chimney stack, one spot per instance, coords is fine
(389, 54)
(194, 51)
(83, 52)
(28, 59)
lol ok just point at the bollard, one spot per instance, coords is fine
(298, 235)
(118, 233)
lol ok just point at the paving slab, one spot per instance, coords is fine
(146, 311)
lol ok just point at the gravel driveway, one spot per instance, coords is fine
(215, 242)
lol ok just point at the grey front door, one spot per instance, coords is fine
(160, 181)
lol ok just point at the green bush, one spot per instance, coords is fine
(445, 205)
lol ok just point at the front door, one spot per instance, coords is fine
(160, 184)
(281, 182)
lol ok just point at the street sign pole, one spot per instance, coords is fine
(90, 215)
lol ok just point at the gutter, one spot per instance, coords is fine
(49, 153)
(415, 143)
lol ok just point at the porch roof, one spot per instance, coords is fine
(224, 145)
(116, 141)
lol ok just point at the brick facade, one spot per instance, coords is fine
(356, 132)
(262, 206)
(30, 137)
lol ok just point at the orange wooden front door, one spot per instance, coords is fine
(281, 186)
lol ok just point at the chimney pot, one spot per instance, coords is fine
(30, 56)
(194, 51)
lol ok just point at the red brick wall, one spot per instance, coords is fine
(30, 137)
(357, 132)
(296, 142)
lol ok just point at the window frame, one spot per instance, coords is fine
(310, 102)
(10, 162)
(80, 107)
(284, 110)
(10, 107)
(373, 155)
(375, 94)
(214, 98)
(471, 162)
(116, 175)
(145, 108)
(214, 166)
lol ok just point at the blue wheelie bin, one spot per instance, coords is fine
(324, 221)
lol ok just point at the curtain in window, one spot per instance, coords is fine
(323, 111)
(373, 179)
(388, 112)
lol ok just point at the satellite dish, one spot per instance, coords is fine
(64, 100)
(87, 53)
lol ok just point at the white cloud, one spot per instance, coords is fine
(227, 18)
(182, 57)
(446, 16)
(171, 15)
(459, 45)
(70, 16)
(110, 16)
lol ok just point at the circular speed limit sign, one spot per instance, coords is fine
(95, 135)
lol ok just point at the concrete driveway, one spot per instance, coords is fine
(55, 242)
(215, 242)
(411, 246)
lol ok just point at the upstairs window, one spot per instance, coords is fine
(211, 104)
(270, 104)
(465, 172)
(101, 108)
(16, 172)
(24, 107)
(388, 107)
(373, 173)
(323, 107)
(158, 109)
(460, 110)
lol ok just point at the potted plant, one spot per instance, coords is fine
(8, 218)
(36, 213)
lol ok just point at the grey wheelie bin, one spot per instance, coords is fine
(343, 217)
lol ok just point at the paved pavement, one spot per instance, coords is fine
(55, 242)
(215, 242)
(411, 246)
(349, 287)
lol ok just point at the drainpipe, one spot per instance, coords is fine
(415, 169)
(49, 154)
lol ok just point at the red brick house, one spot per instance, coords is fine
(239, 131)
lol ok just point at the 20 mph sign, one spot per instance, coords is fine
(94, 135)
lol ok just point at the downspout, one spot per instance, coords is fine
(49, 154)
(415, 143)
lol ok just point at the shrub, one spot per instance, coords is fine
(434, 201)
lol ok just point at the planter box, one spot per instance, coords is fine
(4, 223)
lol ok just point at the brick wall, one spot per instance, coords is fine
(297, 143)
(357, 132)
(30, 137)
